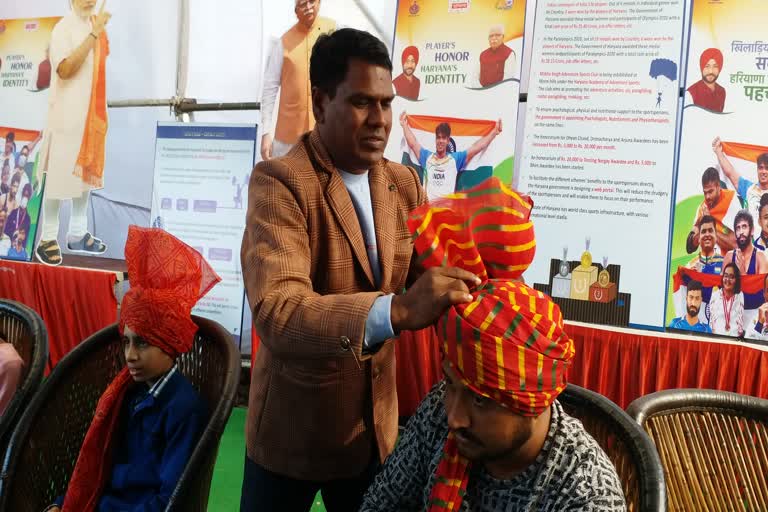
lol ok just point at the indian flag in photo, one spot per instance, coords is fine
(744, 158)
(457, 170)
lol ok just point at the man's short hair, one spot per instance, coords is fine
(694, 285)
(710, 176)
(763, 204)
(744, 215)
(498, 27)
(762, 160)
(443, 129)
(16, 179)
(706, 219)
(332, 52)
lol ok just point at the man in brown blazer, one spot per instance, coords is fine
(326, 255)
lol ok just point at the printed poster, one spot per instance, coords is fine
(200, 195)
(457, 83)
(721, 224)
(25, 77)
(599, 155)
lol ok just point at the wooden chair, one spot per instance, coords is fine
(44, 447)
(24, 329)
(713, 446)
(629, 448)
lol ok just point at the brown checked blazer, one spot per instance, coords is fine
(318, 404)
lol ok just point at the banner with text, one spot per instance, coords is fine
(600, 149)
(200, 195)
(25, 77)
(457, 82)
(723, 174)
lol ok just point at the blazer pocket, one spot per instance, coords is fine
(401, 263)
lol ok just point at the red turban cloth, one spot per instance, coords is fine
(167, 279)
(411, 51)
(508, 344)
(711, 53)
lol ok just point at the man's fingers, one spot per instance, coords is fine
(454, 298)
(458, 273)
(103, 5)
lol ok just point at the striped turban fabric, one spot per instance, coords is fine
(508, 344)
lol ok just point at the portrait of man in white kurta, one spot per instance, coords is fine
(72, 156)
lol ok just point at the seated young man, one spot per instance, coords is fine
(11, 365)
(149, 419)
(492, 436)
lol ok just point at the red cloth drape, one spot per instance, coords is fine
(621, 365)
(626, 365)
(74, 303)
(418, 367)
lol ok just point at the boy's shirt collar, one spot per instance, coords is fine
(147, 400)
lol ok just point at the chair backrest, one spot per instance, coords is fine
(44, 447)
(629, 448)
(24, 329)
(713, 446)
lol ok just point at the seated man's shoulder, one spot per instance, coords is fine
(292, 169)
(588, 473)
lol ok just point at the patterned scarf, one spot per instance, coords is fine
(90, 161)
(508, 344)
(167, 278)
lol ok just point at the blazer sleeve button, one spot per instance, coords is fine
(345, 343)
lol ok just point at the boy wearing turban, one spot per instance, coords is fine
(148, 420)
(406, 84)
(492, 436)
(707, 93)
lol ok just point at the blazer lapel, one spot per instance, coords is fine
(341, 204)
(385, 212)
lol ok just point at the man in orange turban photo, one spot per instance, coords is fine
(492, 436)
(707, 93)
(406, 84)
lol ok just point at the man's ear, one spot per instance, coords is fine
(319, 102)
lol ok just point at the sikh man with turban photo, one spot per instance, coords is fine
(407, 84)
(707, 93)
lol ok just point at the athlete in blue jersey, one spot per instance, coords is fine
(690, 322)
(441, 168)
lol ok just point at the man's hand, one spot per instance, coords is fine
(704, 209)
(434, 291)
(101, 20)
(717, 146)
(266, 146)
(497, 128)
(403, 119)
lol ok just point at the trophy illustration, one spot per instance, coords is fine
(584, 276)
(564, 267)
(604, 278)
(586, 256)
(604, 290)
(561, 282)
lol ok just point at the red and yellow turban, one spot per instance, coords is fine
(711, 53)
(508, 344)
(411, 51)
(167, 279)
